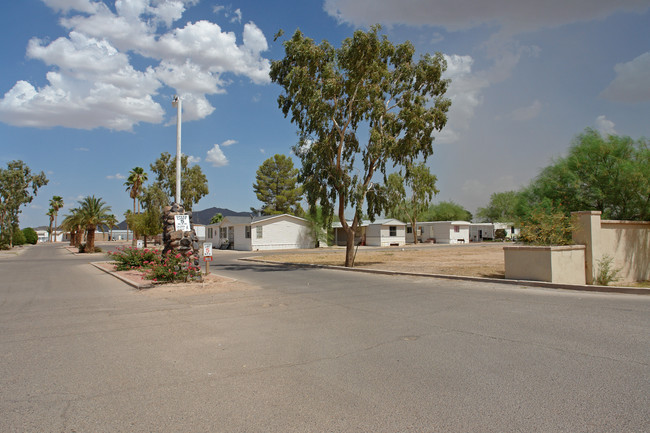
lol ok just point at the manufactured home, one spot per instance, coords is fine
(379, 233)
(272, 232)
(443, 232)
(488, 231)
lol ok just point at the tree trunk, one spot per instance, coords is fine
(349, 248)
(90, 240)
(77, 236)
(414, 227)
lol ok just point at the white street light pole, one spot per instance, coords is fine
(176, 102)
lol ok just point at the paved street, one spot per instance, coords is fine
(311, 350)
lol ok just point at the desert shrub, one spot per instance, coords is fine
(134, 258)
(607, 273)
(173, 267)
(31, 237)
(500, 234)
(82, 249)
(546, 227)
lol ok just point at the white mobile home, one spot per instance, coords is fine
(482, 231)
(271, 232)
(378, 233)
(444, 232)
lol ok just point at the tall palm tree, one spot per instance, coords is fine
(94, 212)
(134, 183)
(56, 203)
(50, 213)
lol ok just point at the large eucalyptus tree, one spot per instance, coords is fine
(360, 109)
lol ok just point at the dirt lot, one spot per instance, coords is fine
(476, 260)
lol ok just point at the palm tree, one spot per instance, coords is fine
(111, 222)
(56, 203)
(50, 213)
(135, 181)
(94, 212)
(72, 223)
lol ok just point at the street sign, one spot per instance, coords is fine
(207, 249)
(182, 222)
(207, 258)
(139, 244)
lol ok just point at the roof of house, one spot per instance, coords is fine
(366, 223)
(455, 223)
(246, 220)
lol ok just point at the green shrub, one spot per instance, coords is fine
(19, 237)
(546, 227)
(606, 272)
(174, 267)
(500, 234)
(134, 258)
(31, 237)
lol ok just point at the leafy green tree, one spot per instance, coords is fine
(368, 83)
(56, 203)
(503, 207)
(194, 184)
(31, 237)
(150, 222)
(611, 175)
(94, 212)
(409, 207)
(447, 211)
(216, 218)
(276, 186)
(18, 186)
(134, 184)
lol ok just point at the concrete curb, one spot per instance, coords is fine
(125, 280)
(543, 284)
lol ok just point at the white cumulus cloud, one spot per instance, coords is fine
(465, 94)
(115, 176)
(216, 157)
(193, 159)
(92, 82)
(605, 126)
(632, 81)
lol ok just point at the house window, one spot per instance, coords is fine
(210, 232)
(512, 230)
(456, 229)
(223, 232)
(258, 230)
(248, 232)
(392, 231)
(409, 230)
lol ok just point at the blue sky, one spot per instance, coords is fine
(87, 85)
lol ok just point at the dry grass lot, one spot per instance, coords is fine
(476, 260)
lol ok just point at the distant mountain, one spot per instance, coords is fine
(203, 216)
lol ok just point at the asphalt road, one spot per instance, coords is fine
(314, 350)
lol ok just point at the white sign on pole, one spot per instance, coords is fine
(207, 249)
(182, 222)
(140, 243)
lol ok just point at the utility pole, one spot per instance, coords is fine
(176, 102)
